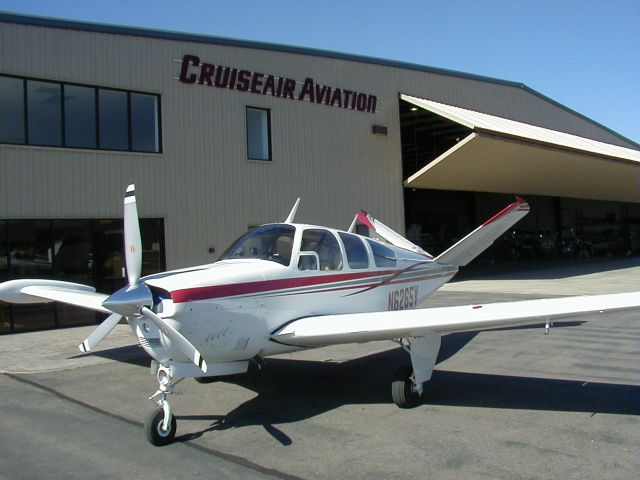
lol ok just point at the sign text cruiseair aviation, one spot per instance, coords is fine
(207, 74)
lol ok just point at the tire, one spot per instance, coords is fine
(402, 389)
(153, 428)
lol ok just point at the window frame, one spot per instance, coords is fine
(96, 89)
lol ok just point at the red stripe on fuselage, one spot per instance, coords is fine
(222, 291)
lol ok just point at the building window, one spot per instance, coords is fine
(11, 110)
(45, 113)
(144, 123)
(81, 251)
(258, 134)
(80, 117)
(113, 119)
(44, 101)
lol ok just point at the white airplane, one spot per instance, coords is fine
(285, 287)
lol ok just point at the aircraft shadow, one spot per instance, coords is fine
(294, 390)
(131, 354)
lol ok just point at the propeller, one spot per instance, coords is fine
(135, 299)
(99, 333)
(132, 239)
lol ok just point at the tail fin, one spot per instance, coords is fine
(482, 237)
(390, 235)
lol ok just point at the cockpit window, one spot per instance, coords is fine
(324, 243)
(269, 242)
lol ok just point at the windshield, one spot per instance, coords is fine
(269, 242)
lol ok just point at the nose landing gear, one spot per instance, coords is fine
(160, 425)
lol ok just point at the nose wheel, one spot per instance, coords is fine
(160, 425)
(156, 432)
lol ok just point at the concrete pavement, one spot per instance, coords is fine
(510, 403)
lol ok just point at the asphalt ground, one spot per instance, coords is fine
(510, 403)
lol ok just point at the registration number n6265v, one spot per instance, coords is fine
(403, 298)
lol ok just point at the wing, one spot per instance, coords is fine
(41, 291)
(365, 327)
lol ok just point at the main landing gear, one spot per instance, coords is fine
(408, 383)
(404, 391)
(160, 425)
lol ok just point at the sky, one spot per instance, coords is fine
(584, 54)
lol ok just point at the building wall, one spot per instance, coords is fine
(201, 183)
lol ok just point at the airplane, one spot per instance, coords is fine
(284, 287)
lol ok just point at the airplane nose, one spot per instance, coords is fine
(129, 300)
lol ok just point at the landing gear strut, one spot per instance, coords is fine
(160, 425)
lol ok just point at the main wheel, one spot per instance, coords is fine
(402, 389)
(153, 428)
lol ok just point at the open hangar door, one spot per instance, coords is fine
(444, 203)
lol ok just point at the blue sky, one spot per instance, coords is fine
(584, 54)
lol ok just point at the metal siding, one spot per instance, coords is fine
(202, 184)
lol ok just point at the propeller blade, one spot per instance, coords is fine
(99, 333)
(184, 345)
(132, 240)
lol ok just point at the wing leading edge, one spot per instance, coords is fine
(366, 327)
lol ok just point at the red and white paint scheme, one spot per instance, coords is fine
(284, 287)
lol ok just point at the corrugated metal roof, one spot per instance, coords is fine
(505, 156)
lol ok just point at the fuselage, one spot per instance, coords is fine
(278, 273)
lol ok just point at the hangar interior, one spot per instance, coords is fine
(558, 227)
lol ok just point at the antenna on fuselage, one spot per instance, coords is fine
(293, 212)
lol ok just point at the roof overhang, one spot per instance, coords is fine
(505, 156)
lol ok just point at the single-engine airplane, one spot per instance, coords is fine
(284, 287)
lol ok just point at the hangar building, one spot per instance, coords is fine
(221, 135)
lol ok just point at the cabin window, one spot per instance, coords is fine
(258, 134)
(323, 243)
(382, 255)
(356, 252)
